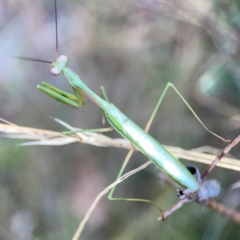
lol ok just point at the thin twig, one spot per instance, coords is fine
(220, 156)
(171, 210)
(220, 208)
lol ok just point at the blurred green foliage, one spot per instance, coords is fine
(133, 49)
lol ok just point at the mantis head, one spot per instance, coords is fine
(57, 67)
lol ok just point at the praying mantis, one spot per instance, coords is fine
(138, 137)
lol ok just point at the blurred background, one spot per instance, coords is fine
(132, 48)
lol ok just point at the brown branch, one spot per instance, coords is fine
(218, 207)
(171, 210)
(220, 156)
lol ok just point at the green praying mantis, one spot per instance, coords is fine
(138, 137)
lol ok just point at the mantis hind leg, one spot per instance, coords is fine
(110, 196)
(169, 84)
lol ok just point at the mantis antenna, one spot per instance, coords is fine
(56, 33)
(56, 27)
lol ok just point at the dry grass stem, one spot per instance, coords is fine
(106, 190)
(46, 137)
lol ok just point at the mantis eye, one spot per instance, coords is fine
(58, 66)
(55, 71)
